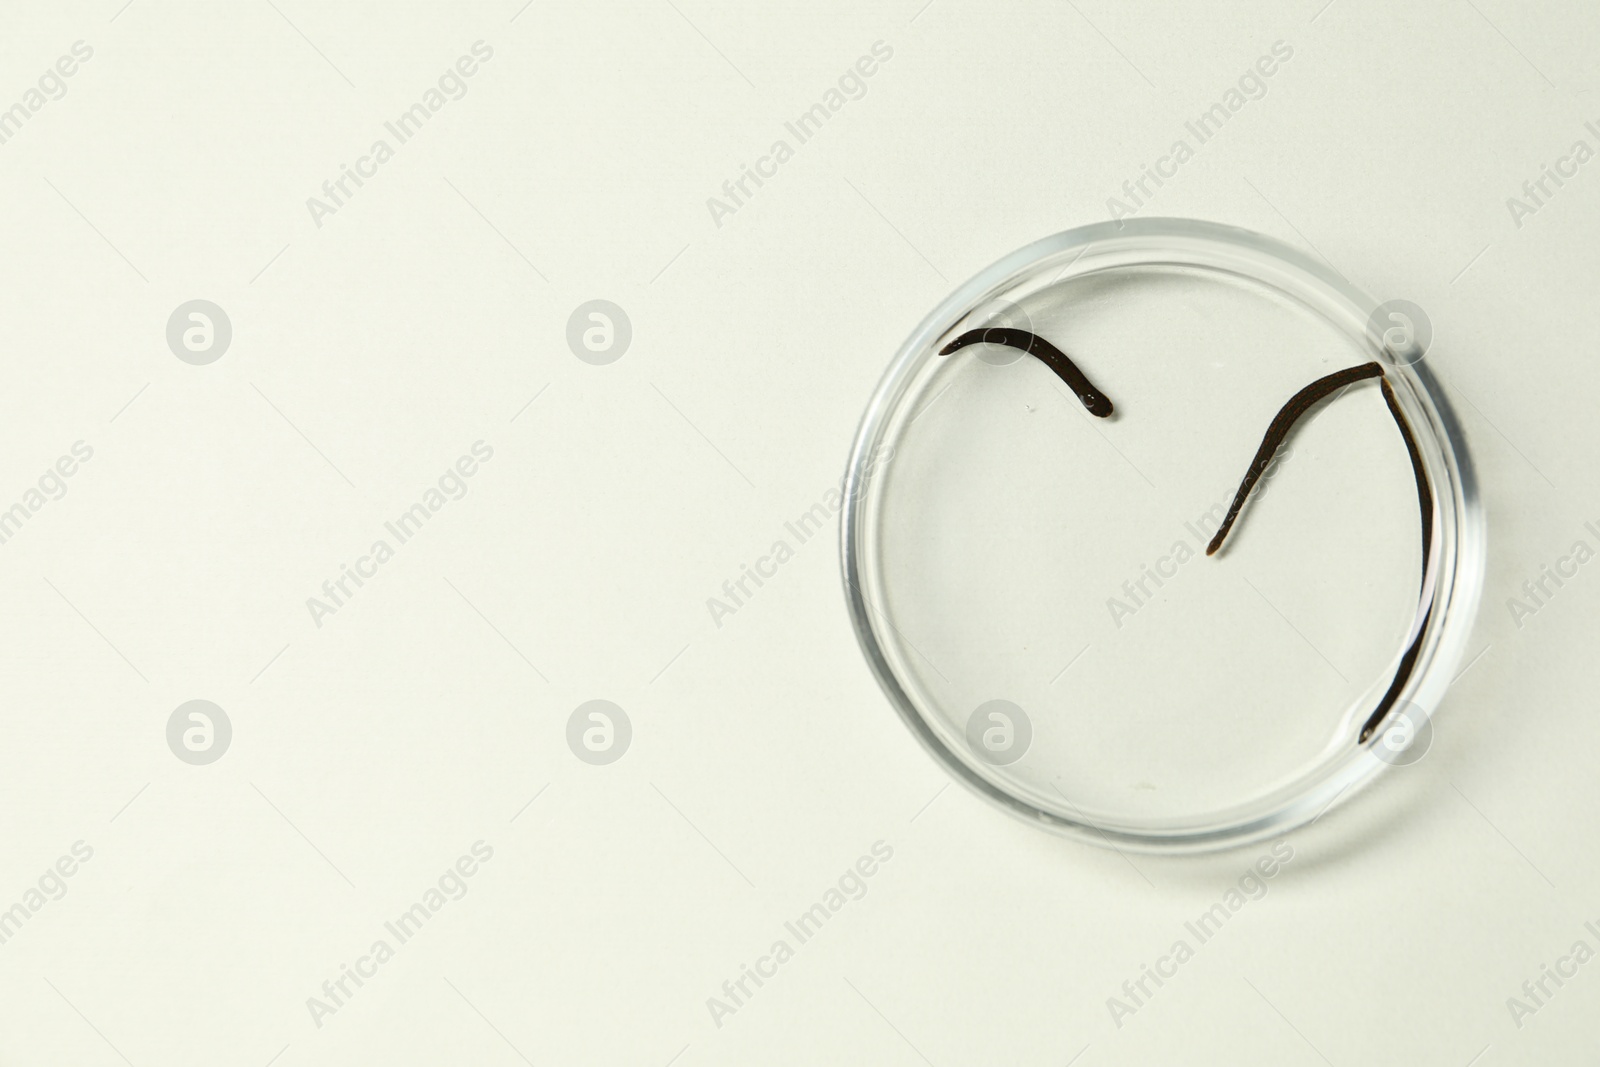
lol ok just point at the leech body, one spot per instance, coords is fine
(1279, 429)
(1408, 659)
(1093, 399)
(1424, 493)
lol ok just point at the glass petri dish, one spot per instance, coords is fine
(1029, 582)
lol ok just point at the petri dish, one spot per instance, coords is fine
(1029, 582)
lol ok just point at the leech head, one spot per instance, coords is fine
(1097, 403)
(960, 342)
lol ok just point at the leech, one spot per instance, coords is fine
(1408, 658)
(1279, 429)
(1097, 402)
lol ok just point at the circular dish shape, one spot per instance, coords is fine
(1024, 553)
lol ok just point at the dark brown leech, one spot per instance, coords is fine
(1097, 402)
(1279, 428)
(1408, 659)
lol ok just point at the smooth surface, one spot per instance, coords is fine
(368, 755)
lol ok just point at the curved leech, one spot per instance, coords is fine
(1279, 429)
(1408, 659)
(1097, 402)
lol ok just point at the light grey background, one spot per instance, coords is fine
(431, 711)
